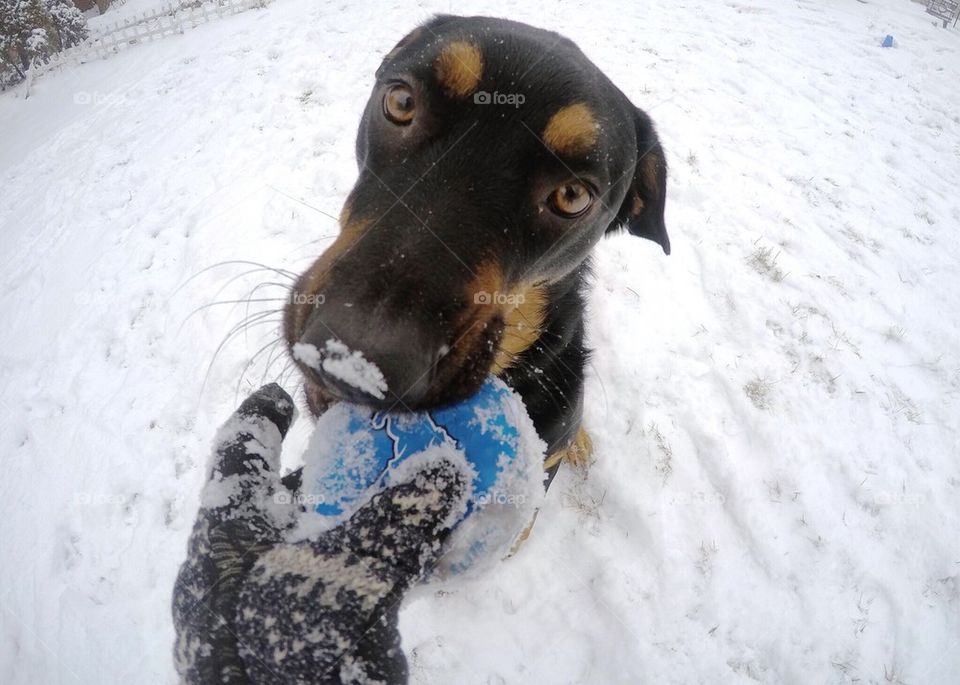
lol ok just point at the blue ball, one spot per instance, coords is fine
(356, 452)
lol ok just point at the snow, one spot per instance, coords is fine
(773, 407)
(349, 366)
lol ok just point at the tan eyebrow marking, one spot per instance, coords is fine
(459, 68)
(572, 130)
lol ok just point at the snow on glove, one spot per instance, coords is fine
(251, 606)
(230, 532)
(356, 452)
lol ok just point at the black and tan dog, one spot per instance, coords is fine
(493, 156)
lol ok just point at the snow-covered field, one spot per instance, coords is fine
(775, 407)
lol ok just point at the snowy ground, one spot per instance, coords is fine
(775, 407)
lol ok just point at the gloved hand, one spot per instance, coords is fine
(249, 606)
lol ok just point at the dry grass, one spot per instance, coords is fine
(664, 463)
(763, 260)
(758, 391)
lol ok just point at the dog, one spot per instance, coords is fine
(493, 156)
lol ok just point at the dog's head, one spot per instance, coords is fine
(493, 156)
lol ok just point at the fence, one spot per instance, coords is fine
(166, 20)
(945, 10)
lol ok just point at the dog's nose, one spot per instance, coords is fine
(371, 357)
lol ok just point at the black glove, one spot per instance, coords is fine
(248, 606)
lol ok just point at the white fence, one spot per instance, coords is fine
(163, 21)
(945, 10)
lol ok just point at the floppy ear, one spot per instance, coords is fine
(642, 210)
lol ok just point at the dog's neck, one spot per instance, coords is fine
(549, 374)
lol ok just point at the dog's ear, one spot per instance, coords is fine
(642, 210)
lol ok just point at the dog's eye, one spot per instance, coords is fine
(398, 104)
(571, 199)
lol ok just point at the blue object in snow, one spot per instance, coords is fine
(887, 42)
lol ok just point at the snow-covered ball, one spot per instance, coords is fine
(355, 452)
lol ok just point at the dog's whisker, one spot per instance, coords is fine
(223, 302)
(250, 363)
(272, 359)
(303, 202)
(606, 401)
(244, 274)
(231, 334)
(264, 284)
(286, 372)
(256, 319)
(280, 272)
(313, 242)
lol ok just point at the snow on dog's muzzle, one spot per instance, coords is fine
(363, 356)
